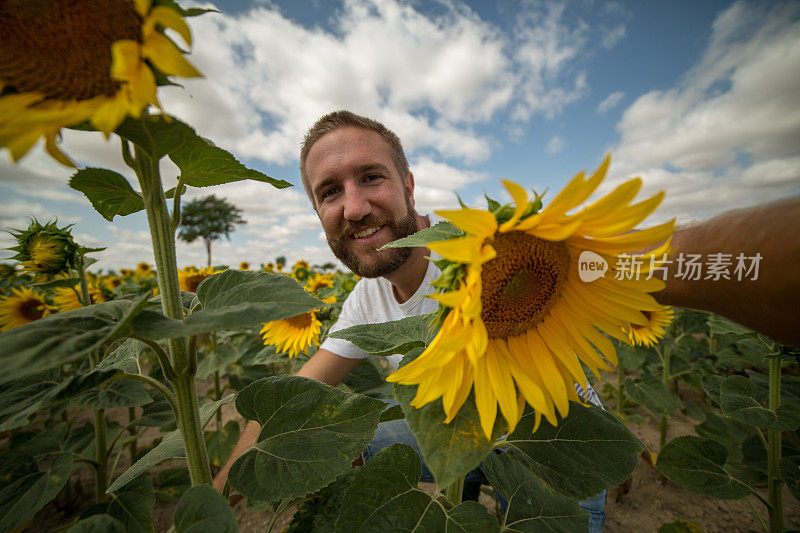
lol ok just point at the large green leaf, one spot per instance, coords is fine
(726, 431)
(34, 397)
(200, 161)
(384, 497)
(26, 489)
(202, 509)
(109, 192)
(64, 337)
(696, 464)
(389, 338)
(220, 443)
(170, 447)
(450, 450)
(310, 434)
(590, 450)
(531, 505)
(719, 325)
(133, 505)
(319, 513)
(124, 392)
(738, 401)
(439, 232)
(234, 299)
(649, 392)
(98, 523)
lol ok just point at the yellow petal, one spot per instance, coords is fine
(54, 151)
(485, 398)
(169, 18)
(473, 221)
(631, 242)
(460, 250)
(624, 220)
(520, 204)
(622, 195)
(167, 57)
(503, 385)
(558, 232)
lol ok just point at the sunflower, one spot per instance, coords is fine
(144, 270)
(321, 281)
(657, 323)
(67, 299)
(269, 267)
(24, 305)
(63, 63)
(293, 335)
(244, 265)
(45, 249)
(190, 277)
(518, 321)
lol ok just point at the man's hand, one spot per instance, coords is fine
(246, 441)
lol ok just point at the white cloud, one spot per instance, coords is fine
(611, 101)
(728, 134)
(555, 145)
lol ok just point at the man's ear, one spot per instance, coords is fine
(409, 185)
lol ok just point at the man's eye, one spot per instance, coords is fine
(328, 192)
(372, 177)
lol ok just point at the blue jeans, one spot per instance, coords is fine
(398, 432)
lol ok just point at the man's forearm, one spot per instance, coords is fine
(767, 303)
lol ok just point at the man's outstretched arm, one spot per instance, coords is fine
(769, 302)
(323, 366)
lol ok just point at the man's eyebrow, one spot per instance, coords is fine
(371, 167)
(322, 184)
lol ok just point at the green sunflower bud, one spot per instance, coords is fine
(45, 249)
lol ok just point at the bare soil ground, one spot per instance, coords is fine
(642, 504)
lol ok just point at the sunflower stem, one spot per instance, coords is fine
(621, 390)
(454, 492)
(100, 444)
(162, 234)
(774, 451)
(664, 425)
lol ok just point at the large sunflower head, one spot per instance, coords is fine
(45, 249)
(63, 63)
(516, 319)
(318, 282)
(190, 277)
(24, 305)
(293, 335)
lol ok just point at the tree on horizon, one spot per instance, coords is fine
(208, 218)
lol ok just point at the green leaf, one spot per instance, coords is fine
(172, 483)
(170, 447)
(787, 417)
(720, 326)
(235, 299)
(649, 392)
(57, 284)
(124, 392)
(531, 505)
(133, 505)
(310, 434)
(632, 357)
(26, 489)
(109, 192)
(384, 497)
(216, 361)
(450, 450)
(21, 401)
(696, 464)
(738, 401)
(389, 338)
(790, 473)
(439, 232)
(590, 450)
(202, 509)
(220, 443)
(319, 513)
(365, 379)
(98, 523)
(201, 163)
(64, 337)
(394, 412)
(726, 431)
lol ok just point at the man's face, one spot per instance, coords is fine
(362, 200)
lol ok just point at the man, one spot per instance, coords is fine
(357, 178)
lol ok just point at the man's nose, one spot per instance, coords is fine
(356, 204)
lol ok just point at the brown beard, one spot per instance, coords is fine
(385, 261)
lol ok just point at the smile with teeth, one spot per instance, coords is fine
(366, 233)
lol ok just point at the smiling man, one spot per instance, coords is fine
(358, 180)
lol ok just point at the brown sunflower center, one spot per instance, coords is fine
(31, 309)
(522, 283)
(62, 48)
(300, 321)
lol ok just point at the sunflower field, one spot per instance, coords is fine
(114, 382)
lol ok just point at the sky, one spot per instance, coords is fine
(700, 99)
